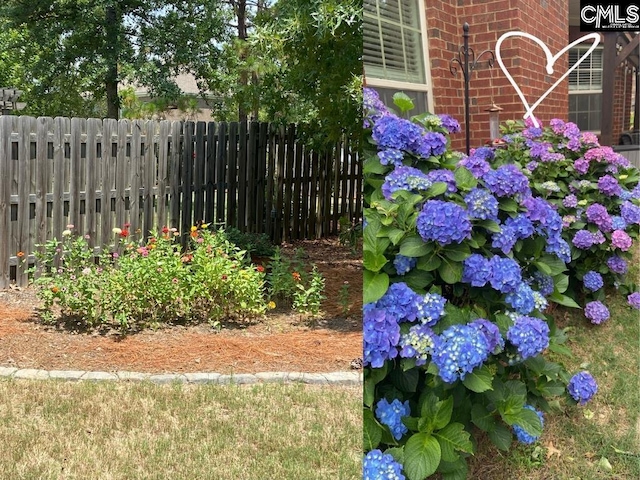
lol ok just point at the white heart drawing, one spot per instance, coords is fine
(551, 59)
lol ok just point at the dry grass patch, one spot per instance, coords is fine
(57, 430)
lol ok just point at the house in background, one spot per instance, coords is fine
(409, 45)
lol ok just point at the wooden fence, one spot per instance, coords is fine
(100, 174)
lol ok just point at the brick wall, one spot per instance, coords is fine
(488, 20)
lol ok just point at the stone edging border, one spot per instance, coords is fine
(331, 378)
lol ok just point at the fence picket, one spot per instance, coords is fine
(92, 171)
(5, 199)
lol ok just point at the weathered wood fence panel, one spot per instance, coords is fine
(142, 175)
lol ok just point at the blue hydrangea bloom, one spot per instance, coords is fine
(507, 181)
(630, 212)
(481, 204)
(380, 335)
(541, 303)
(476, 270)
(521, 434)
(491, 334)
(450, 123)
(444, 175)
(582, 387)
(443, 222)
(618, 223)
(505, 239)
(559, 247)
(597, 312)
(390, 156)
(460, 349)
(373, 107)
(418, 343)
(404, 178)
(592, 281)
(400, 302)
(617, 265)
(391, 131)
(381, 466)
(390, 414)
(404, 264)
(521, 225)
(505, 274)
(432, 143)
(430, 308)
(583, 239)
(522, 300)
(476, 165)
(484, 153)
(529, 335)
(544, 283)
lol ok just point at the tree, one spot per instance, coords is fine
(79, 52)
(311, 51)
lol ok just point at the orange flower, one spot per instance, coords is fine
(124, 233)
(20, 254)
(194, 234)
(260, 268)
(187, 258)
(296, 276)
(55, 289)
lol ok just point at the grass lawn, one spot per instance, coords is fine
(600, 440)
(60, 430)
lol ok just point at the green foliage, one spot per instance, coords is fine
(254, 243)
(350, 233)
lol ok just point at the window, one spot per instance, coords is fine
(394, 53)
(585, 89)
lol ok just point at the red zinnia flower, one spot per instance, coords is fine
(296, 276)
(124, 233)
(260, 268)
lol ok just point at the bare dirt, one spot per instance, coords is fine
(281, 341)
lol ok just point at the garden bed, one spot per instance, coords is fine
(281, 341)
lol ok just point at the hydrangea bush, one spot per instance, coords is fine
(461, 258)
(596, 193)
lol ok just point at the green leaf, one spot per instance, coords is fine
(543, 267)
(457, 253)
(406, 381)
(373, 261)
(479, 380)
(557, 266)
(397, 453)
(454, 470)
(372, 166)
(392, 233)
(450, 272)
(375, 286)
(403, 102)
(371, 429)
(527, 419)
(415, 246)
(438, 188)
(508, 205)
(490, 225)
(561, 299)
(422, 456)
(429, 263)
(464, 179)
(482, 418)
(443, 413)
(562, 282)
(501, 437)
(453, 438)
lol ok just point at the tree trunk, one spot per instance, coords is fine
(112, 28)
(241, 13)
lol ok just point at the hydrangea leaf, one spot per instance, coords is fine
(422, 456)
(561, 299)
(482, 418)
(561, 282)
(528, 420)
(373, 262)
(415, 246)
(429, 263)
(543, 267)
(454, 470)
(501, 437)
(479, 380)
(490, 225)
(508, 205)
(372, 165)
(372, 430)
(465, 179)
(451, 272)
(397, 453)
(375, 286)
(403, 102)
(392, 233)
(453, 438)
(438, 188)
(405, 381)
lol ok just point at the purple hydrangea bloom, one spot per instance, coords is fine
(596, 311)
(531, 166)
(491, 333)
(598, 214)
(443, 222)
(598, 238)
(544, 283)
(620, 239)
(559, 247)
(529, 335)
(481, 204)
(557, 125)
(404, 264)
(634, 300)
(507, 181)
(476, 165)
(592, 281)
(380, 335)
(581, 165)
(630, 212)
(381, 466)
(617, 265)
(432, 143)
(635, 193)
(390, 414)
(450, 123)
(373, 107)
(589, 138)
(400, 302)
(583, 239)
(606, 154)
(476, 270)
(430, 308)
(532, 132)
(505, 274)
(521, 434)
(418, 343)
(521, 225)
(582, 387)
(609, 186)
(405, 178)
(390, 156)
(505, 239)
(485, 153)
(459, 350)
(444, 175)
(570, 201)
(522, 299)
(394, 132)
